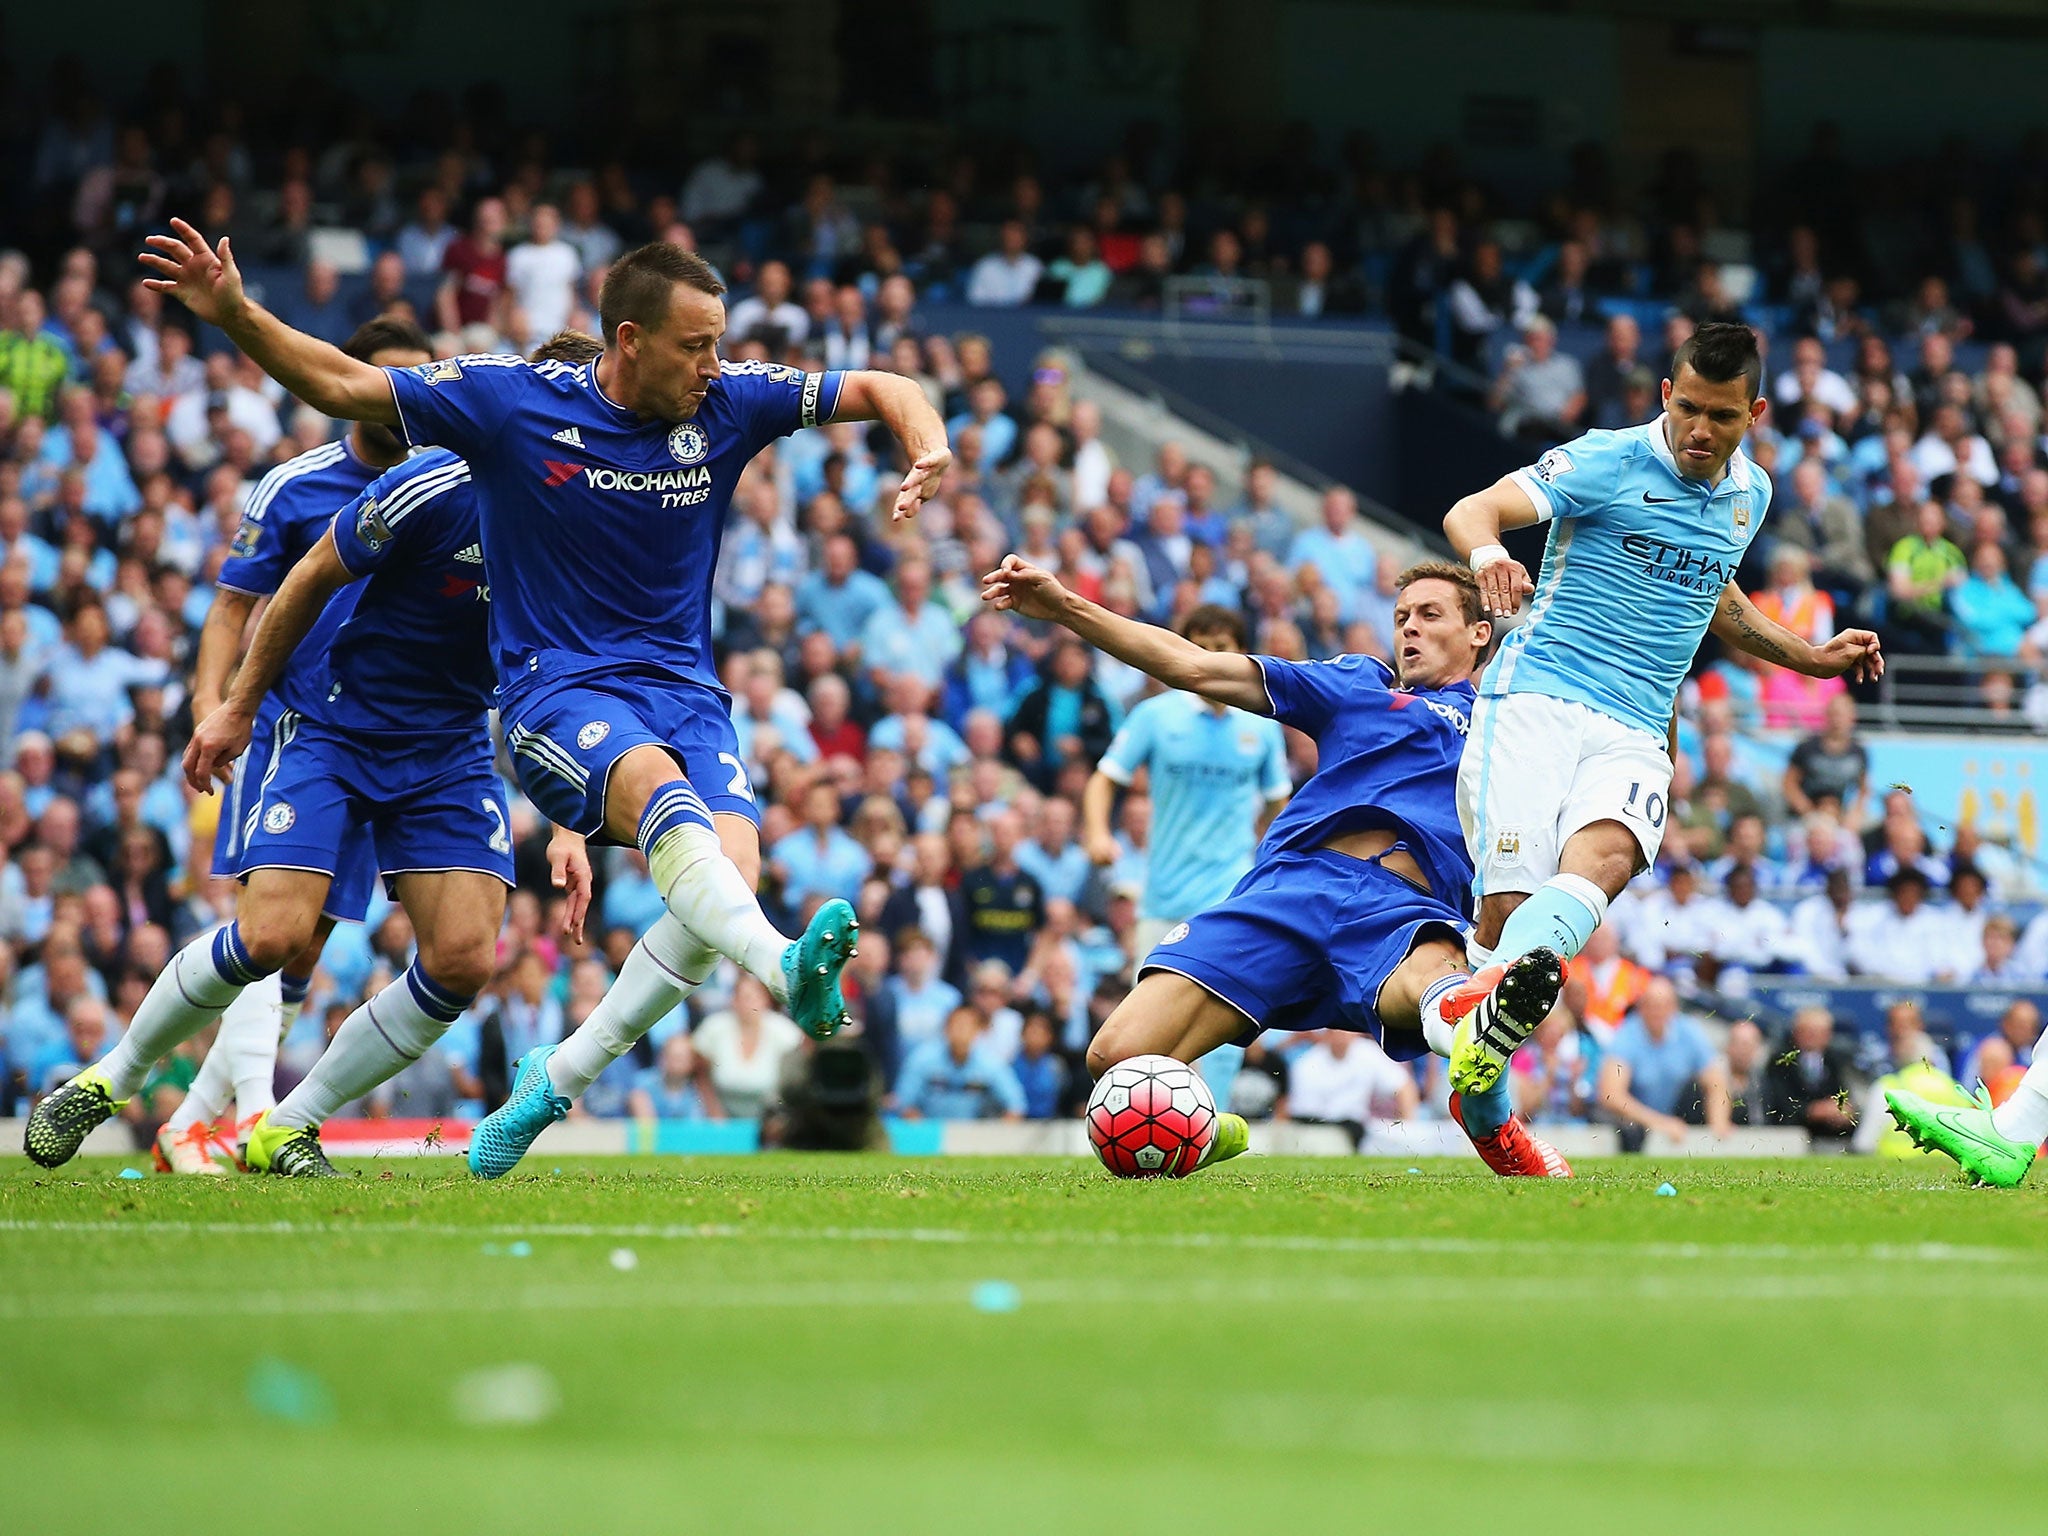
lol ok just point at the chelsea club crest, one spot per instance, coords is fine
(687, 444)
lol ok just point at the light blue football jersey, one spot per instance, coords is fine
(1637, 560)
(1211, 776)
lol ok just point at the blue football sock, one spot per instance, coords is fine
(1561, 917)
(1485, 1113)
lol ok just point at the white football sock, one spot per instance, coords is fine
(378, 1041)
(709, 896)
(2024, 1116)
(666, 966)
(186, 996)
(1478, 954)
(211, 1092)
(1436, 1029)
(248, 1038)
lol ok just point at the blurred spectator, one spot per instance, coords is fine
(1541, 392)
(955, 1076)
(1041, 1071)
(740, 1052)
(1338, 550)
(1818, 519)
(668, 1090)
(1992, 614)
(1901, 938)
(1660, 1070)
(1345, 1079)
(542, 273)
(1830, 771)
(1743, 1060)
(1008, 275)
(1607, 375)
(1924, 568)
(1809, 1084)
(472, 290)
(923, 1000)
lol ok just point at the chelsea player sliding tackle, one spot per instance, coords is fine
(603, 493)
(1354, 914)
(1565, 780)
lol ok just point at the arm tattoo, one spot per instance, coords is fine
(1755, 641)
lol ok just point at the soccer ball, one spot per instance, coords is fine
(1151, 1117)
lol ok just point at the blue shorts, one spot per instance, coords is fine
(1306, 941)
(427, 804)
(566, 738)
(355, 863)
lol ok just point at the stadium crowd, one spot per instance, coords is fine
(911, 753)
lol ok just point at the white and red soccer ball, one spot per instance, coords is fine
(1151, 1117)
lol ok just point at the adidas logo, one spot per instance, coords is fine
(570, 436)
(474, 555)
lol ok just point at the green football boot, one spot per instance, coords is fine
(58, 1126)
(289, 1151)
(1965, 1134)
(1233, 1137)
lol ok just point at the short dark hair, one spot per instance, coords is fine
(1459, 576)
(1207, 618)
(1719, 352)
(387, 333)
(569, 347)
(638, 286)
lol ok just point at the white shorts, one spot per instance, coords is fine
(1537, 769)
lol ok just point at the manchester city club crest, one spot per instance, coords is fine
(1741, 505)
(687, 444)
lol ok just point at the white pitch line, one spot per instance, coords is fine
(1464, 1247)
(1059, 1294)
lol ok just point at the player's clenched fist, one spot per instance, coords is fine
(1017, 586)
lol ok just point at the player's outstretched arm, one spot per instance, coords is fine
(220, 647)
(222, 735)
(1474, 527)
(1223, 677)
(206, 281)
(901, 406)
(1738, 622)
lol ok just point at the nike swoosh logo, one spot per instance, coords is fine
(1656, 501)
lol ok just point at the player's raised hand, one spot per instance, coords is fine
(221, 738)
(1855, 652)
(1017, 586)
(922, 483)
(1502, 586)
(204, 279)
(569, 873)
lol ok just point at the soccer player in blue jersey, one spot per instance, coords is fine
(1216, 776)
(384, 621)
(604, 492)
(1564, 785)
(284, 517)
(1354, 914)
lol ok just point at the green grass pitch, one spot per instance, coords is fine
(828, 1345)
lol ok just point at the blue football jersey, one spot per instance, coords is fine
(414, 655)
(1387, 758)
(285, 516)
(1635, 567)
(601, 528)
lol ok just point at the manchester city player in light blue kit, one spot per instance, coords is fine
(604, 491)
(1216, 776)
(1354, 914)
(1564, 785)
(393, 741)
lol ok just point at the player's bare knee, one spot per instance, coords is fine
(275, 935)
(460, 963)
